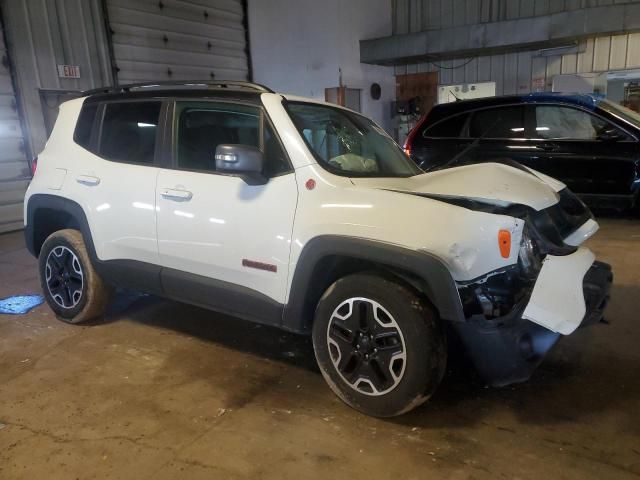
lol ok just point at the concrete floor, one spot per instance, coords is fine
(163, 390)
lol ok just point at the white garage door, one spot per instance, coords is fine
(14, 168)
(156, 40)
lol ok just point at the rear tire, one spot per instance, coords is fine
(378, 344)
(70, 284)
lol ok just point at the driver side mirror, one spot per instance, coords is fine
(243, 161)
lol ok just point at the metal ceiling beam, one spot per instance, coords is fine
(506, 36)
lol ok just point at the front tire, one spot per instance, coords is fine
(379, 345)
(70, 284)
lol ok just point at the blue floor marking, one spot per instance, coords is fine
(20, 304)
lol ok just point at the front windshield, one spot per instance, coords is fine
(349, 144)
(620, 111)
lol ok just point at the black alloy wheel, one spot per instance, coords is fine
(379, 343)
(366, 346)
(64, 277)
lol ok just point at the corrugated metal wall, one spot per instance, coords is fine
(14, 168)
(514, 72)
(44, 34)
(152, 40)
(178, 39)
(419, 15)
(524, 72)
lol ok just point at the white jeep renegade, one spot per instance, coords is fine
(306, 216)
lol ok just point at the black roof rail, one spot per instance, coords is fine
(231, 84)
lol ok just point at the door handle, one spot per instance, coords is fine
(88, 180)
(178, 195)
(549, 147)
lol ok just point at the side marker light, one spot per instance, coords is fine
(504, 243)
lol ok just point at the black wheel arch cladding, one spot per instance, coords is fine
(424, 271)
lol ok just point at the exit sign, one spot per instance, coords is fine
(68, 71)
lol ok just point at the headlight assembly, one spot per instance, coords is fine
(529, 257)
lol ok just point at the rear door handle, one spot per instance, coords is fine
(549, 146)
(178, 195)
(88, 180)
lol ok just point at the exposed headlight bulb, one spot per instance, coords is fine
(529, 256)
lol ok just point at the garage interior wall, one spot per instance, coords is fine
(44, 34)
(14, 166)
(316, 43)
(178, 39)
(518, 72)
(150, 41)
(419, 15)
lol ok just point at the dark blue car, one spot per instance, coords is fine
(589, 143)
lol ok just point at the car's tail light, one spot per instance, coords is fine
(408, 143)
(34, 166)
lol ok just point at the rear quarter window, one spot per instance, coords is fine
(84, 125)
(448, 128)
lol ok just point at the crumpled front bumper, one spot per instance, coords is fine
(508, 349)
(558, 301)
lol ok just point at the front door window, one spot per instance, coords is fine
(555, 122)
(204, 126)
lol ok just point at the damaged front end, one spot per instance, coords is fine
(515, 315)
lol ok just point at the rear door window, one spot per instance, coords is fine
(500, 122)
(129, 131)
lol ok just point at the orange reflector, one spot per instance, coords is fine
(504, 243)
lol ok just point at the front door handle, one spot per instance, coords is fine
(88, 180)
(549, 147)
(178, 195)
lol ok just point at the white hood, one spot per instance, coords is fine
(489, 182)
